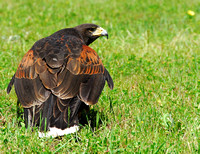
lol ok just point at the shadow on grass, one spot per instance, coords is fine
(93, 118)
(20, 113)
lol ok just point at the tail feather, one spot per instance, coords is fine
(10, 84)
(109, 79)
(67, 118)
(48, 115)
(47, 112)
(39, 115)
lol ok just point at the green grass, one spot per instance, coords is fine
(153, 55)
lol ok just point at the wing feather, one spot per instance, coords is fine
(91, 90)
(88, 62)
(26, 67)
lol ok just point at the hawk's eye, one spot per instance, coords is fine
(91, 29)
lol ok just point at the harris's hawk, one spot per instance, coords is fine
(58, 76)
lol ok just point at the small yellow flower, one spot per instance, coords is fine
(142, 122)
(159, 101)
(190, 13)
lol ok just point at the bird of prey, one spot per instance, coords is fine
(57, 77)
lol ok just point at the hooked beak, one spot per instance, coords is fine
(100, 32)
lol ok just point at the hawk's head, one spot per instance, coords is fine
(90, 32)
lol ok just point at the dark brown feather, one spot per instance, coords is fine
(91, 90)
(10, 84)
(30, 92)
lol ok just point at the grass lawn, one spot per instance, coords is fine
(153, 55)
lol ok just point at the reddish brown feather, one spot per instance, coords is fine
(40, 66)
(24, 69)
(30, 66)
(87, 63)
(68, 48)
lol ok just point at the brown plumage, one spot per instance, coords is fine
(59, 74)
